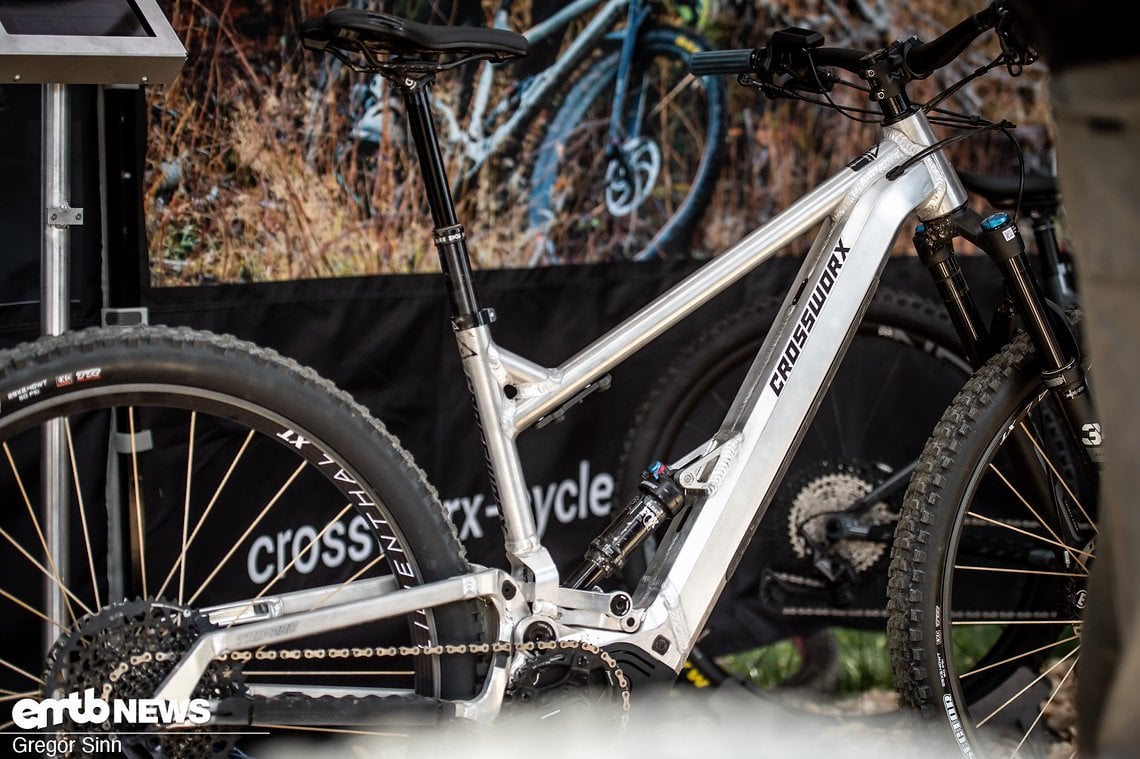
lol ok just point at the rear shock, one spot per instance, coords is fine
(658, 499)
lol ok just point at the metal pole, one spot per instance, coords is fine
(54, 320)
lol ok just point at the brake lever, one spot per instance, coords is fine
(1017, 52)
(789, 57)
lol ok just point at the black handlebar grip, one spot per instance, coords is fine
(925, 58)
(721, 62)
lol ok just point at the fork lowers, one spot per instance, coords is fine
(658, 499)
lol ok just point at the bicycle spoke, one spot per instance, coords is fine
(998, 523)
(308, 547)
(1012, 659)
(137, 500)
(206, 512)
(285, 570)
(17, 670)
(55, 576)
(1049, 462)
(1032, 511)
(186, 508)
(253, 525)
(1010, 570)
(1033, 682)
(1045, 706)
(82, 511)
(31, 609)
(7, 695)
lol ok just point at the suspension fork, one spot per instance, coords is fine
(1059, 354)
(1057, 347)
(933, 241)
(639, 11)
(1058, 277)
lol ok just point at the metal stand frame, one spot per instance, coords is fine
(55, 315)
(37, 53)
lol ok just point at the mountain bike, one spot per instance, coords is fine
(627, 159)
(368, 617)
(810, 592)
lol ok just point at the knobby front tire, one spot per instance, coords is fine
(199, 471)
(986, 588)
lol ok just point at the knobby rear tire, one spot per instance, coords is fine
(220, 443)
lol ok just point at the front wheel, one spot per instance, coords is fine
(639, 193)
(988, 575)
(208, 483)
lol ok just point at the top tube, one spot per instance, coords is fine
(563, 17)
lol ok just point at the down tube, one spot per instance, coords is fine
(774, 408)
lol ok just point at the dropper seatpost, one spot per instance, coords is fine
(449, 237)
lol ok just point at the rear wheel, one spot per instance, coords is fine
(205, 483)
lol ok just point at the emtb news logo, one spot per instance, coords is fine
(88, 709)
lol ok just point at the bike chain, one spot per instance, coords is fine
(831, 611)
(816, 584)
(368, 652)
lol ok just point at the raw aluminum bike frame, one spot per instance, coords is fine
(731, 478)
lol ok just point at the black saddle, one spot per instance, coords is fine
(353, 34)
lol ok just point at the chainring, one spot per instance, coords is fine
(566, 678)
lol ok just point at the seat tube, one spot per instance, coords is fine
(449, 237)
(472, 333)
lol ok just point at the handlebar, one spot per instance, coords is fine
(798, 53)
(925, 58)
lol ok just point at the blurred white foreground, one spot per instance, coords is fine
(686, 724)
